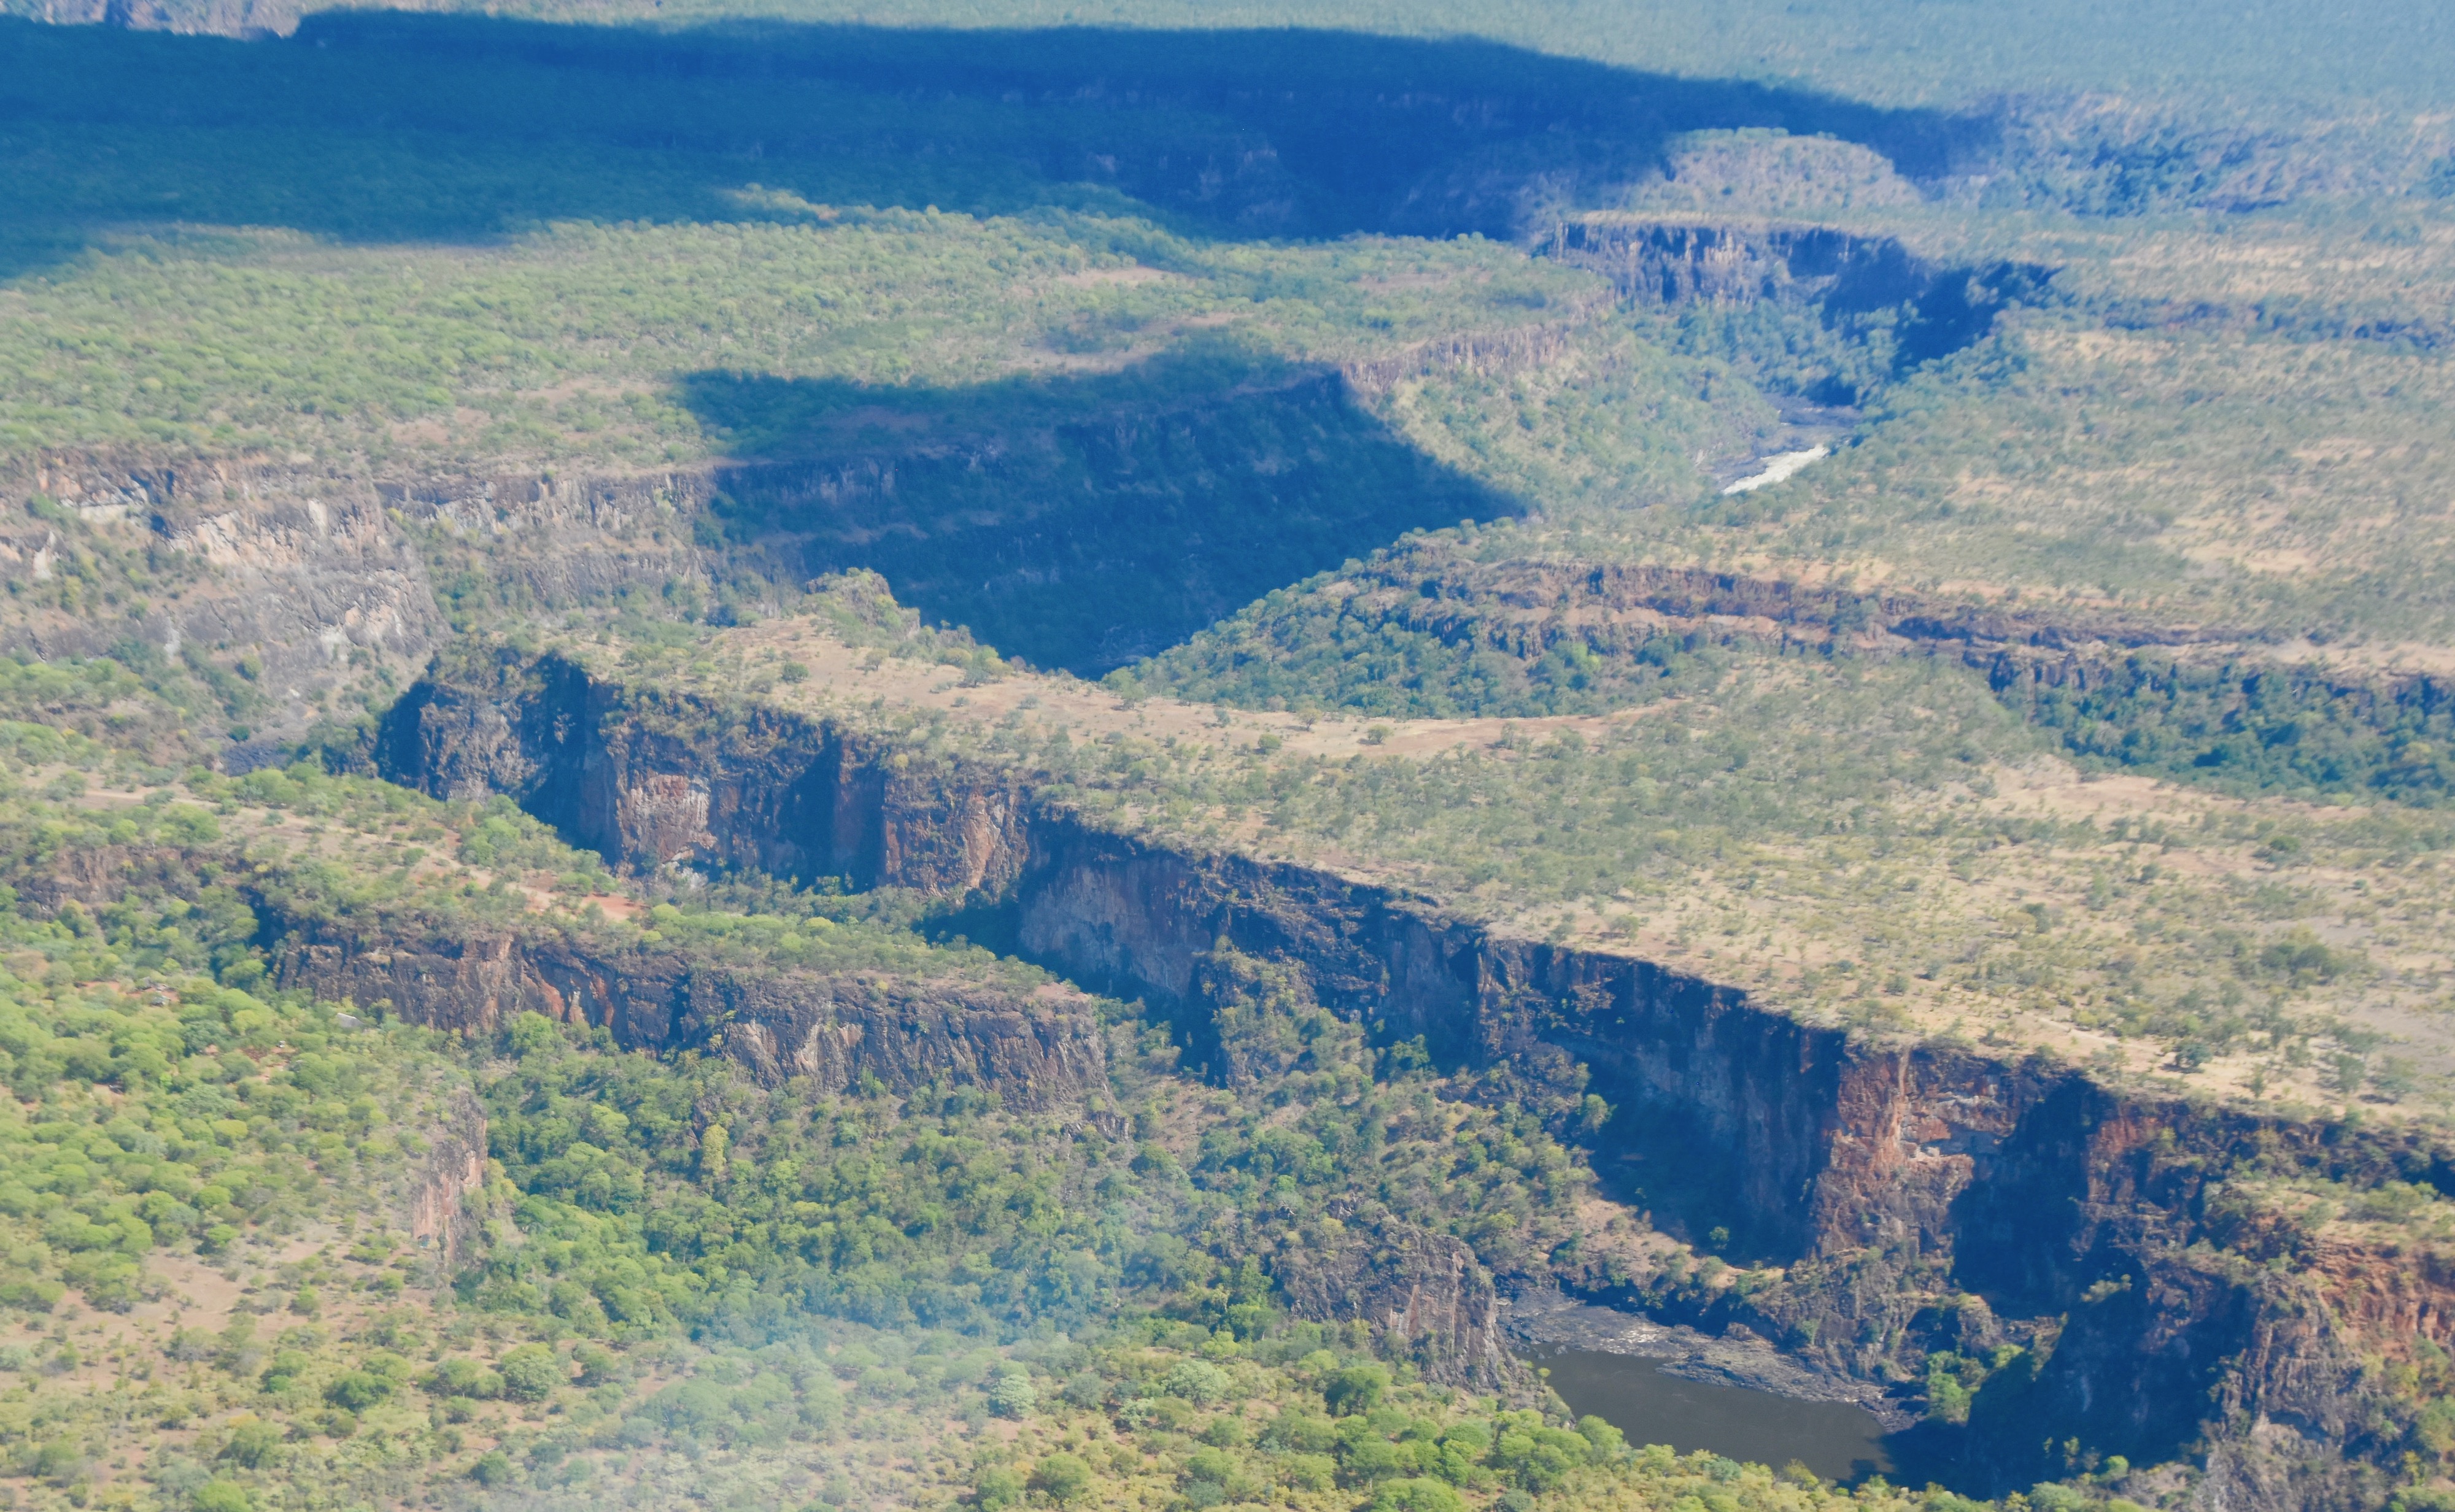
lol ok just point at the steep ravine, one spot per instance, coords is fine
(1921, 1197)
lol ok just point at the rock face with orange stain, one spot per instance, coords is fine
(1897, 1199)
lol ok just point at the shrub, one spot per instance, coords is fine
(57, 1461)
(597, 1366)
(1604, 1438)
(252, 1444)
(1310, 1472)
(1415, 1494)
(463, 1378)
(1198, 1382)
(493, 1468)
(358, 1390)
(220, 1494)
(997, 1488)
(1061, 1478)
(1540, 1458)
(531, 1372)
(1356, 1389)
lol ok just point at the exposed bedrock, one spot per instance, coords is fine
(1035, 1048)
(1920, 1197)
(833, 1029)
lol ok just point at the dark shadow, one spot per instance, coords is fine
(1078, 522)
(386, 127)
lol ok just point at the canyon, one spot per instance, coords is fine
(1895, 1200)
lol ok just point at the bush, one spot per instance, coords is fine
(463, 1378)
(531, 1372)
(358, 1390)
(1356, 1389)
(493, 1468)
(597, 1366)
(1013, 1396)
(1416, 1495)
(220, 1494)
(1198, 1382)
(1606, 1439)
(997, 1488)
(1540, 1458)
(1310, 1472)
(58, 1461)
(1061, 1478)
(252, 1444)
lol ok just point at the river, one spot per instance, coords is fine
(1836, 1440)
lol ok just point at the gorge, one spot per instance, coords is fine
(1894, 1202)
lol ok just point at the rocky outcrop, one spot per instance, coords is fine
(1918, 1196)
(1424, 1294)
(1678, 262)
(836, 1030)
(439, 1220)
(298, 566)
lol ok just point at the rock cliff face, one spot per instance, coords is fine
(298, 566)
(834, 1030)
(1920, 1197)
(455, 1170)
(1101, 528)
(1035, 1049)
(1421, 1291)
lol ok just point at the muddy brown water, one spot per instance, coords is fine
(1833, 1439)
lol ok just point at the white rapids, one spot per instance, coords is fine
(1778, 468)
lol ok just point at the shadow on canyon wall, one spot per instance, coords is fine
(1078, 522)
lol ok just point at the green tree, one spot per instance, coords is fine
(997, 1487)
(1061, 1478)
(358, 1390)
(220, 1494)
(1356, 1389)
(531, 1372)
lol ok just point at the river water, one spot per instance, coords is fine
(1836, 1440)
